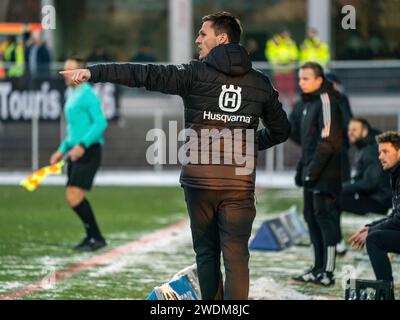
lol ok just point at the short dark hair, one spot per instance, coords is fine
(225, 22)
(392, 137)
(315, 67)
(364, 123)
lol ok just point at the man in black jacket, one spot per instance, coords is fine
(347, 114)
(383, 236)
(319, 131)
(220, 92)
(369, 189)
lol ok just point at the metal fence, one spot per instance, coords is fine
(372, 86)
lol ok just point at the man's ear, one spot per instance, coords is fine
(222, 38)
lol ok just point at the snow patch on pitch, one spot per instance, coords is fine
(168, 244)
(267, 289)
(11, 285)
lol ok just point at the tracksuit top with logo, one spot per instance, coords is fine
(317, 125)
(224, 97)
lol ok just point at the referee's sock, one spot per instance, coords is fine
(85, 213)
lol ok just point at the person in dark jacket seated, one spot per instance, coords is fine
(369, 189)
(383, 236)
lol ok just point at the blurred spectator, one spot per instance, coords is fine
(3, 46)
(2, 71)
(282, 52)
(14, 57)
(145, 54)
(99, 55)
(253, 49)
(37, 56)
(312, 49)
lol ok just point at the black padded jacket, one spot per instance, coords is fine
(222, 91)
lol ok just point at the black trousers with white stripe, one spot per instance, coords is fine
(319, 213)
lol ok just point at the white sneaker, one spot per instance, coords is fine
(307, 276)
(325, 279)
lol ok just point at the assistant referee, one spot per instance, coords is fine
(85, 128)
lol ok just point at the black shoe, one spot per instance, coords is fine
(325, 279)
(307, 276)
(83, 242)
(90, 244)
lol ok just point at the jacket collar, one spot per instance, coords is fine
(231, 59)
(395, 171)
(369, 139)
(326, 87)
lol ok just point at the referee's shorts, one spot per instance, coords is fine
(82, 171)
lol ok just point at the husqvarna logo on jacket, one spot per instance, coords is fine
(230, 98)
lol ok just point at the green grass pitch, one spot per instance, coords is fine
(38, 230)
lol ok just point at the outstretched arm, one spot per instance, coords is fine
(77, 76)
(171, 79)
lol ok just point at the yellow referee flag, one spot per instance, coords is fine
(32, 182)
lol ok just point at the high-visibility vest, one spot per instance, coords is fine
(17, 69)
(281, 53)
(314, 50)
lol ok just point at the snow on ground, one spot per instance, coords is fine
(154, 263)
